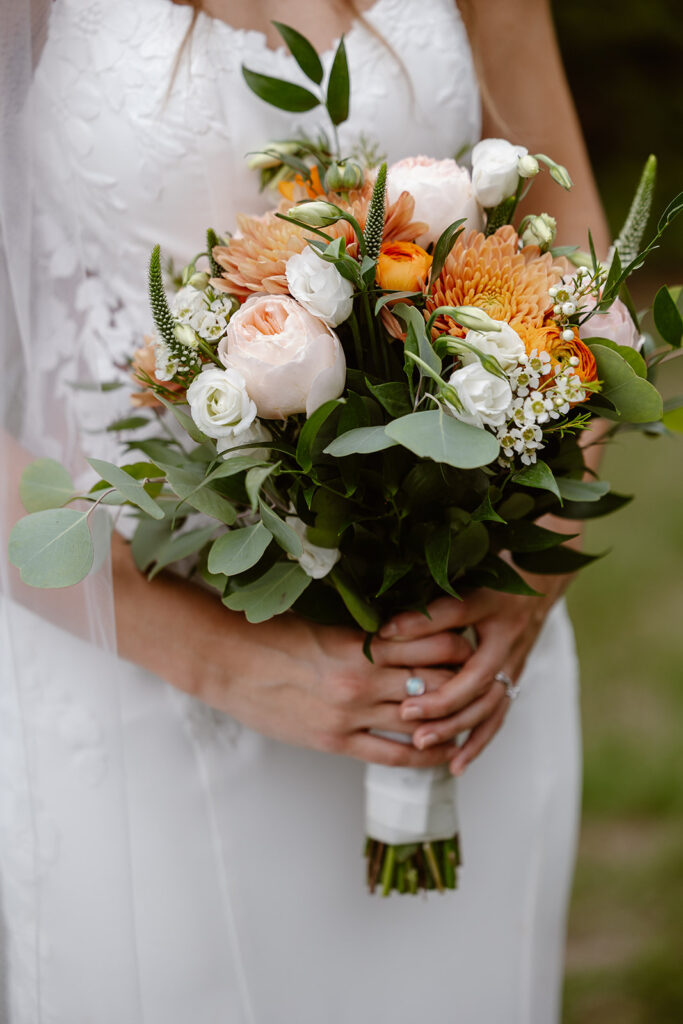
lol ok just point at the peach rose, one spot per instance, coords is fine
(616, 325)
(442, 191)
(290, 360)
(402, 267)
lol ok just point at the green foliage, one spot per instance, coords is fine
(634, 399)
(435, 435)
(279, 93)
(52, 548)
(631, 235)
(360, 440)
(45, 484)
(131, 489)
(302, 51)
(667, 317)
(444, 244)
(270, 594)
(374, 224)
(538, 475)
(238, 550)
(339, 87)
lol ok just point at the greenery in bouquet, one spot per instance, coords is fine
(369, 395)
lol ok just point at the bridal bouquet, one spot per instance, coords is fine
(366, 398)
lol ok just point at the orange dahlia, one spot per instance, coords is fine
(255, 259)
(495, 275)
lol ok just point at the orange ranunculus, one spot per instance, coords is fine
(308, 189)
(549, 339)
(402, 267)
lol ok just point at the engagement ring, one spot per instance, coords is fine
(415, 686)
(511, 689)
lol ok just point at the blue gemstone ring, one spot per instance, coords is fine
(415, 686)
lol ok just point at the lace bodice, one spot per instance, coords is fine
(128, 158)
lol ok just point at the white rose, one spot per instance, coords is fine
(616, 325)
(319, 287)
(290, 360)
(315, 561)
(442, 191)
(486, 398)
(494, 170)
(504, 345)
(219, 402)
(256, 432)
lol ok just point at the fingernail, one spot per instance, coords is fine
(411, 712)
(458, 767)
(428, 740)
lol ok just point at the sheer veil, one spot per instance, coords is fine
(49, 640)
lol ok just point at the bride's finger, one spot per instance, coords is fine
(446, 648)
(479, 738)
(444, 613)
(377, 750)
(444, 729)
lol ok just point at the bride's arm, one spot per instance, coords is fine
(525, 99)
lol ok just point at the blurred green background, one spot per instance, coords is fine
(625, 950)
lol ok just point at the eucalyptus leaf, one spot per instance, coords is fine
(149, 538)
(45, 484)
(131, 489)
(182, 545)
(635, 399)
(302, 52)
(339, 87)
(52, 548)
(238, 550)
(285, 536)
(185, 421)
(540, 476)
(360, 440)
(254, 481)
(393, 396)
(129, 423)
(435, 435)
(279, 93)
(633, 358)
(417, 328)
(271, 594)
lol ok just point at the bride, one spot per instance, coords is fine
(180, 819)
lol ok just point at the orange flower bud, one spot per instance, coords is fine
(402, 267)
(302, 189)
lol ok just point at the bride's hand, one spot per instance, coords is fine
(289, 679)
(472, 700)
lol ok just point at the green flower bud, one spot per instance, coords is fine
(316, 213)
(199, 280)
(343, 176)
(186, 336)
(474, 319)
(272, 157)
(540, 231)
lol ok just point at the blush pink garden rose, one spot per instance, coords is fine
(616, 325)
(290, 360)
(442, 191)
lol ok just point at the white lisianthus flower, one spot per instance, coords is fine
(485, 398)
(186, 302)
(256, 432)
(504, 345)
(219, 402)
(494, 170)
(315, 561)
(442, 191)
(319, 287)
(290, 360)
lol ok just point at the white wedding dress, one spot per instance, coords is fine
(161, 864)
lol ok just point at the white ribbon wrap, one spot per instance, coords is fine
(409, 805)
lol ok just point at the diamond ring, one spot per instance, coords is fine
(415, 686)
(511, 689)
